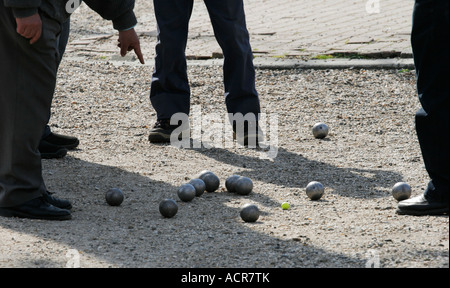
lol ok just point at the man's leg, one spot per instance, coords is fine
(53, 145)
(170, 92)
(430, 43)
(63, 39)
(28, 77)
(241, 97)
(228, 19)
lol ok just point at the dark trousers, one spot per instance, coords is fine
(170, 92)
(430, 43)
(63, 39)
(27, 81)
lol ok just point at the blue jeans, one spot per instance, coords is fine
(170, 91)
(430, 43)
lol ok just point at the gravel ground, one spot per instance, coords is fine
(371, 146)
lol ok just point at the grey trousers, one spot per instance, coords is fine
(27, 81)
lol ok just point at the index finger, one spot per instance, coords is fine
(138, 52)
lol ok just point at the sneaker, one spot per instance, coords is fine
(161, 132)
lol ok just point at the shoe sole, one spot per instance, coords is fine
(159, 138)
(434, 212)
(66, 208)
(57, 155)
(69, 207)
(71, 146)
(5, 212)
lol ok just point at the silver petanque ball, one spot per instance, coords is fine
(199, 186)
(320, 130)
(114, 197)
(230, 183)
(401, 191)
(211, 180)
(315, 190)
(250, 213)
(202, 173)
(168, 208)
(186, 192)
(243, 186)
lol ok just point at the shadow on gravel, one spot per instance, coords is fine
(206, 233)
(293, 170)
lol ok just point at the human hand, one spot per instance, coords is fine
(30, 27)
(128, 40)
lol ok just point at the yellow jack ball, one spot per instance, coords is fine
(285, 206)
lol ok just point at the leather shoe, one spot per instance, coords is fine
(59, 203)
(251, 136)
(420, 206)
(36, 208)
(62, 141)
(50, 151)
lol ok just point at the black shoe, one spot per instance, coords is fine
(162, 131)
(37, 208)
(59, 203)
(62, 141)
(50, 151)
(251, 136)
(420, 206)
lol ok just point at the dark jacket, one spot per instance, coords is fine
(119, 11)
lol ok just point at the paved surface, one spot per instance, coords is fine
(305, 28)
(308, 28)
(280, 29)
